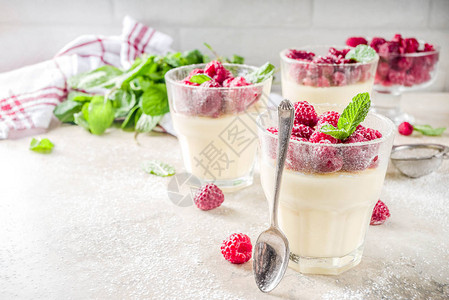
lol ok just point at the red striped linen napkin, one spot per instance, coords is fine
(29, 95)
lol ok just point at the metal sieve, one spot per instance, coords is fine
(416, 160)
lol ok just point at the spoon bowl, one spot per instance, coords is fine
(273, 251)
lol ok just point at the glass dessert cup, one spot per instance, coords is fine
(216, 126)
(323, 82)
(399, 73)
(324, 214)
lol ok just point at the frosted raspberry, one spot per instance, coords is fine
(388, 49)
(397, 38)
(339, 79)
(405, 128)
(299, 54)
(318, 137)
(325, 159)
(297, 155)
(210, 84)
(338, 53)
(215, 70)
(383, 68)
(305, 114)
(188, 82)
(428, 47)
(237, 248)
(235, 82)
(239, 100)
(376, 42)
(329, 117)
(369, 133)
(403, 63)
(396, 76)
(356, 137)
(380, 213)
(299, 139)
(208, 100)
(354, 41)
(208, 197)
(324, 60)
(358, 157)
(411, 45)
(302, 131)
(322, 82)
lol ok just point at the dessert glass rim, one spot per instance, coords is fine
(179, 83)
(307, 47)
(386, 136)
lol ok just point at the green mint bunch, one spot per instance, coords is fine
(352, 116)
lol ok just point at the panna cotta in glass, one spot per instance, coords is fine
(323, 74)
(329, 186)
(214, 108)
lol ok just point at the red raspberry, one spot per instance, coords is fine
(338, 53)
(397, 38)
(396, 77)
(388, 48)
(402, 63)
(369, 133)
(318, 137)
(405, 128)
(239, 100)
(411, 45)
(339, 79)
(356, 137)
(358, 157)
(325, 60)
(297, 155)
(329, 117)
(235, 82)
(428, 47)
(208, 100)
(215, 70)
(380, 213)
(354, 41)
(237, 248)
(299, 54)
(325, 159)
(323, 82)
(383, 68)
(297, 138)
(302, 131)
(305, 114)
(376, 42)
(208, 197)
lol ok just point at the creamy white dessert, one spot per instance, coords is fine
(222, 148)
(334, 94)
(324, 215)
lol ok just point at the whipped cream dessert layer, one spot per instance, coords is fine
(217, 148)
(324, 215)
(334, 94)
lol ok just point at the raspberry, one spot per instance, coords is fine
(297, 155)
(338, 53)
(235, 82)
(237, 248)
(380, 213)
(322, 82)
(383, 68)
(397, 38)
(273, 130)
(396, 77)
(403, 63)
(376, 42)
(299, 54)
(208, 197)
(318, 137)
(354, 41)
(239, 100)
(329, 117)
(369, 133)
(215, 70)
(208, 100)
(297, 138)
(428, 47)
(356, 137)
(302, 131)
(388, 49)
(411, 45)
(325, 159)
(305, 114)
(339, 79)
(405, 128)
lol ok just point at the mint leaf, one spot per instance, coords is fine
(193, 57)
(155, 101)
(200, 78)
(361, 53)
(123, 102)
(80, 120)
(100, 115)
(264, 72)
(79, 96)
(65, 110)
(236, 59)
(340, 134)
(101, 77)
(352, 116)
(429, 130)
(146, 123)
(129, 120)
(158, 168)
(41, 146)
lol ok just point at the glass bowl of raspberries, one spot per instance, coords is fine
(329, 186)
(405, 64)
(326, 74)
(214, 108)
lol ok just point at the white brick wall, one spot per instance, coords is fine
(33, 30)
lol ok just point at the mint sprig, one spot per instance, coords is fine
(200, 78)
(352, 116)
(429, 130)
(362, 54)
(264, 72)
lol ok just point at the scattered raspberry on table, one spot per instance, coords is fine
(209, 197)
(237, 248)
(380, 213)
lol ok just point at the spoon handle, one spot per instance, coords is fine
(286, 114)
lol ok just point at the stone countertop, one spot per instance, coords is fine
(87, 222)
